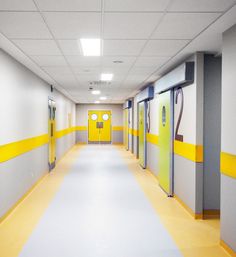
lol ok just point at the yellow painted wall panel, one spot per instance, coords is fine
(189, 151)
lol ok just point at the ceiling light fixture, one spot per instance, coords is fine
(97, 102)
(106, 76)
(91, 47)
(103, 98)
(96, 92)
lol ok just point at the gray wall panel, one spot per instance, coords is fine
(18, 175)
(152, 157)
(64, 144)
(81, 136)
(117, 137)
(228, 211)
(212, 131)
(187, 182)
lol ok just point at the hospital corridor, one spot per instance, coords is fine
(117, 128)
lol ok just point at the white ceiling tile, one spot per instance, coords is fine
(136, 5)
(122, 47)
(200, 5)
(70, 47)
(66, 81)
(69, 5)
(151, 61)
(130, 25)
(183, 25)
(82, 61)
(38, 47)
(23, 25)
(49, 60)
(142, 71)
(16, 5)
(85, 71)
(74, 25)
(88, 78)
(163, 47)
(58, 71)
(108, 61)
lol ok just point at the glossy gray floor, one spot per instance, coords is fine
(100, 211)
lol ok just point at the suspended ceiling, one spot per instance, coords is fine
(145, 37)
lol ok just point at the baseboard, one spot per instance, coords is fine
(211, 214)
(197, 216)
(227, 248)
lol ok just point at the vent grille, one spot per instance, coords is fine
(99, 83)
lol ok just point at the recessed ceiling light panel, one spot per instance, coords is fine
(97, 102)
(91, 46)
(96, 92)
(103, 98)
(106, 76)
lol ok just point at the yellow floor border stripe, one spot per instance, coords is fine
(194, 238)
(18, 226)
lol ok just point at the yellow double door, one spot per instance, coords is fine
(99, 124)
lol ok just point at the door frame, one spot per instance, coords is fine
(145, 134)
(53, 164)
(89, 110)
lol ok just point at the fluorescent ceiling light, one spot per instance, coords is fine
(96, 92)
(91, 47)
(97, 102)
(106, 76)
(103, 98)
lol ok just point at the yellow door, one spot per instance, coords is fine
(99, 123)
(52, 133)
(165, 175)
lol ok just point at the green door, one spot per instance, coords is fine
(165, 142)
(142, 134)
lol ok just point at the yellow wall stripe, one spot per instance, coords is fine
(189, 151)
(228, 164)
(133, 132)
(117, 128)
(153, 139)
(64, 132)
(81, 128)
(14, 149)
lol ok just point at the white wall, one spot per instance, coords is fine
(23, 115)
(228, 137)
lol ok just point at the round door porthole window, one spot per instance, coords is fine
(105, 117)
(163, 116)
(94, 116)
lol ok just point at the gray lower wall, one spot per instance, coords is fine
(188, 178)
(212, 132)
(117, 137)
(64, 144)
(82, 136)
(18, 175)
(152, 158)
(228, 211)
